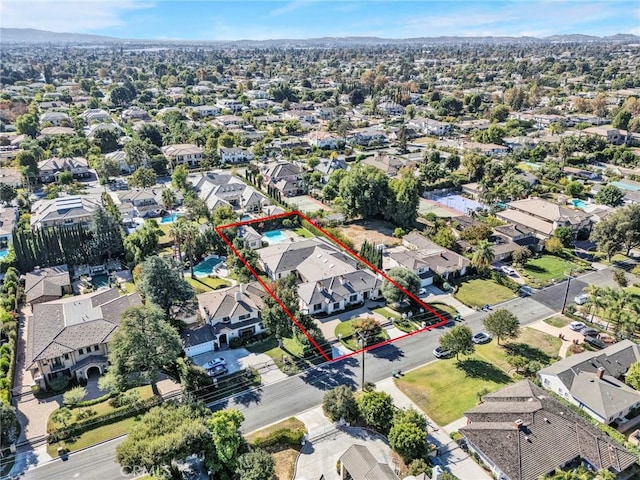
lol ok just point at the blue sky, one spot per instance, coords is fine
(259, 20)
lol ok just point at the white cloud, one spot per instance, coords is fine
(75, 16)
(291, 7)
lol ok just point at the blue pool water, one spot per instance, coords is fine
(3, 253)
(170, 219)
(579, 203)
(244, 218)
(274, 236)
(100, 281)
(206, 267)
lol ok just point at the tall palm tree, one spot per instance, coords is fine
(596, 300)
(177, 232)
(168, 199)
(190, 234)
(483, 255)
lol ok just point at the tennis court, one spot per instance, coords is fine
(306, 204)
(459, 203)
(429, 206)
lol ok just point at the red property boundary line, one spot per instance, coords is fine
(219, 229)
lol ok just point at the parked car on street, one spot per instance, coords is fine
(576, 326)
(482, 337)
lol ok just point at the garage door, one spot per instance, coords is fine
(198, 349)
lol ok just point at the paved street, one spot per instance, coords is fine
(270, 403)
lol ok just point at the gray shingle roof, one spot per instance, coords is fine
(362, 465)
(550, 436)
(46, 282)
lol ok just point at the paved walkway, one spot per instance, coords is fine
(437, 295)
(568, 336)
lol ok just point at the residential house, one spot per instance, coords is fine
(286, 178)
(328, 280)
(234, 155)
(232, 105)
(56, 119)
(95, 115)
(488, 149)
(544, 217)
(56, 131)
(594, 381)
(227, 121)
(520, 235)
(522, 433)
(367, 136)
(69, 337)
(51, 168)
(630, 188)
(204, 111)
(47, 284)
(411, 259)
(250, 237)
(146, 202)
(183, 154)
(614, 136)
(134, 113)
(122, 159)
(391, 109)
(233, 312)
(429, 126)
(388, 164)
(323, 140)
(327, 166)
(358, 463)
(217, 188)
(11, 177)
(8, 220)
(65, 211)
(438, 259)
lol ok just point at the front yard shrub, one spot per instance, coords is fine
(340, 403)
(59, 384)
(74, 396)
(281, 436)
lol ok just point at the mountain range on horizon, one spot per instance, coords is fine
(29, 35)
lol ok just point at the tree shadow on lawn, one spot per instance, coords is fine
(536, 268)
(474, 368)
(527, 351)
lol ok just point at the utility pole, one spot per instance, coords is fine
(362, 344)
(566, 292)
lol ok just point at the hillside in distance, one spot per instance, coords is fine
(30, 35)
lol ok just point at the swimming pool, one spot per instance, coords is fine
(579, 203)
(170, 219)
(100, 281)
(3, 253)
(206, 267)
(274, 236)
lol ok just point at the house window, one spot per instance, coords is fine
(336, 306)
(317, 307)
(244, 317)
(353, 298)
(81, 351)
(96, 348)
(546, 381)
(66, 356)
(225, 319)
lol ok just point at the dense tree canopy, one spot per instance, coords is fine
(404, 277)
(161, 284)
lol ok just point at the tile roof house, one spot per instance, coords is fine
(217, 188)
(50, 169)
(234, 155)
(438, 259)
(68, 337)
(522, 433)
(228, 313)
(67, 211)
(11, 176)
(47, 284)
(358, 463)
(544, 217)
(285, 177)
(146, 202)
(388, 164)
(185, 153)
(594, 381)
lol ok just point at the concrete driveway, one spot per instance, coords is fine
(240, 358)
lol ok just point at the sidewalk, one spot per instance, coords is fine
(458, 462)
(568, 335)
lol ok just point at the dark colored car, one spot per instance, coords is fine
(589, 332)
(595, 342)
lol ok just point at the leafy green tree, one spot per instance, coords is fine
(404, 198)
(107, 236)
(458, 340)
(28, 124)
(502, 324)
(474, 163)
(565, 235)
(417, 467)
(376, 410)
(106, 139)
(257, 464)
(28, 163)
(7, 193)
(632, 377)
(483, 255)
(332, 188)
(340, 403)
(151, 133)
(618, 231)
(499, 113)
(366, 328)
(143, 242)
(8, 424)
(404, 277)
(476, 233)
(408, 440)
(274, 317)
(179, 177)
(224, 426)
(410, 415)
(143, 177)
(364, 191)
(445, 238)
(554, 246)
(622, 119)
(163, 285)
(574, 189)
(74, 396)
(62, 416)
(107, 168)
(522, 256)
(164, 435)
(620, 278)
(610, 195)
(65, 178)
(137, 152)
(121, 96)
(143, 344)
(239, 269)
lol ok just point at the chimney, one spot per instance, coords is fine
(238, 296)
(600, 372)
(518, 424)
(243, 288)
(342, 279)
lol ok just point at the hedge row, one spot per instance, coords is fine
(283, 435)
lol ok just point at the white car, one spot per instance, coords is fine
(439, 352)
(507, 270)
(482, 337)
(422, 291)
(211, 364)
(581, 299)
(576, 326)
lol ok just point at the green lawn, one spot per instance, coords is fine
(129, 287)
(206, 284)
(303, 232)
(92, 437)
(344, 331)
(292, 350)
(633, 290)
(387, 313)
(543, 270)
(531, 344)
(445, 389)
(558, 321)
(480, 291)
(165, 238)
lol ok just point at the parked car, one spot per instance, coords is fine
(482, 337)
(214, 363)
(589, 332)
(422, 291)
(439, 352)
(581, 299)
(507, 270)
(595, 342)
(217, 371)
(576, 326)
